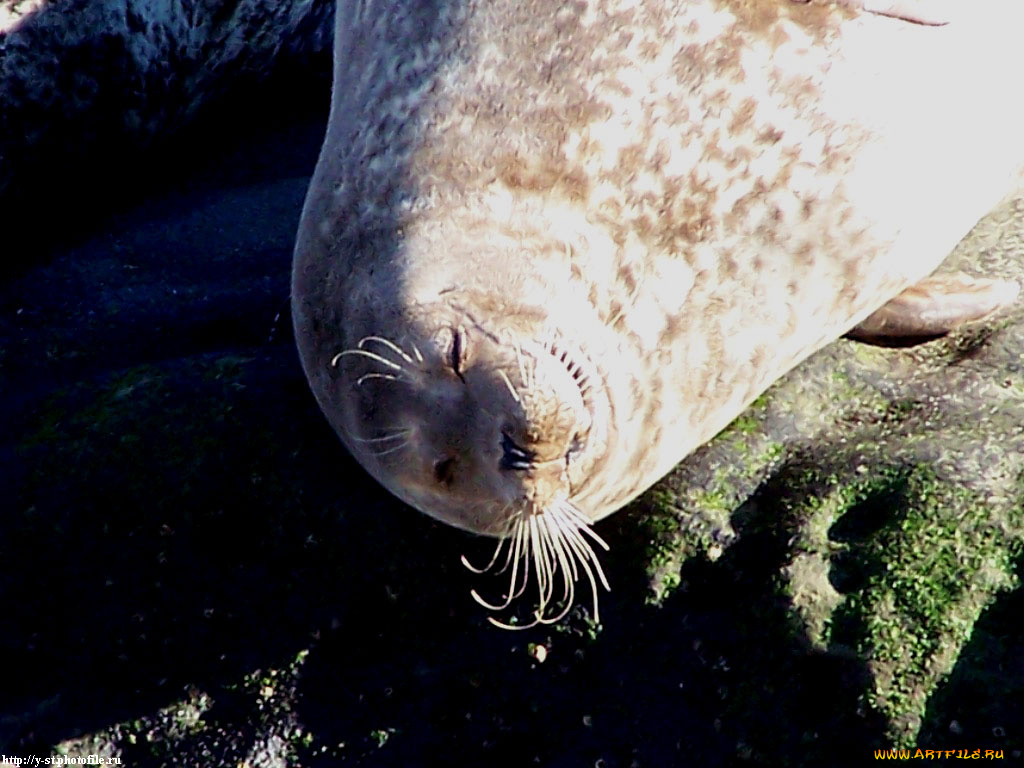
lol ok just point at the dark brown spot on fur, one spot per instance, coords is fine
(744, 116)
(819, 18)
(807, 208)
(627, 277)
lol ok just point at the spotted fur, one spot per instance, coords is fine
(691, 196)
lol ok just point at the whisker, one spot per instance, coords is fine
(507, 563)
(522, 549)
(386, 376)
(541, 565)
(582, 524)
(547, 534)
(559, 525)
(574, 534)
(523, 377)
(566, 600)
(502, 541)
(508, 383)
(585, 555)
(566, 564)
(513, 528)
(552, 539)
(512, 592)
(393, 449)
(388, 343)
(490, 564)
(531, 377)
(416, 351)
(550, 557)
(382, 438)
(554, 543)
(366, 353)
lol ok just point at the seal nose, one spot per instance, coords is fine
(514, 456)
(444, 470)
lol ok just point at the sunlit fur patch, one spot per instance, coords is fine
(554, 544)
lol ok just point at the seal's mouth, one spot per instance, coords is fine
(548, 542)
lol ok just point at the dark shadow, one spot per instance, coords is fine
(161, 528)
(981, 703)
(70, 160)
(893, 342)
(851, 569)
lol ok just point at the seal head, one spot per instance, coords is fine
(462, 381)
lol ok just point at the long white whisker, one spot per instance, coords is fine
(560, 525)
(584, 561)
(568, 593)
(513, 627)
(502, 541)
(508, 383)
(566, 564)
(574, 536)
(490, 563)
(538, 556)
(538, 615)
(366, 353)
(512, 593)
(383, 438)
(585, 555)
(519, 361)
(522, 556)
(532, 378)
(581, 523)
(387, 376)
(394, 449)
(552, 536)
(388, 343)
(554, 543)
(547, 560)
(513, 527)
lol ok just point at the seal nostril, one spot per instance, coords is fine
(574, 448)
(514, 456)
(444, 470)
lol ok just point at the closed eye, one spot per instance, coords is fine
(457, 355)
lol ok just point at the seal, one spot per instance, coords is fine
(549, 249)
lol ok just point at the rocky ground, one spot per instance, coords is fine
(194, 573)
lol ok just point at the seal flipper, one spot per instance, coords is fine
(935, 306)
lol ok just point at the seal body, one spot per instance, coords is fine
(551, 248)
